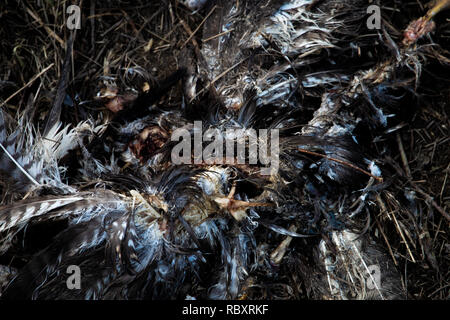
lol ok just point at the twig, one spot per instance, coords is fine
(403, 156)
(438, 6)
(386, 240)
(401, 234)
(423, 193)
(345, 163)
(28, 84)
(431, 200)
(445, 182)
(217, 35)
(199, 26)
(42, 24)
(189, 32)
(218, 78)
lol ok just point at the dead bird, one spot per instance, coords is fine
(139, 226)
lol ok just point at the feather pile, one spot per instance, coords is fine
(141, 227)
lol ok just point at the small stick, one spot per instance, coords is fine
(218, 78)
(391, 216)
(386, 240)
(156, 36)
(433, 203)
(49, 31)
(438, 6)
(402, 236)
(345, 163)
(191, 34)
(403, 156)
(28, 84)
(217, 35)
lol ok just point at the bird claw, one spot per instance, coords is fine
(237, 208)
